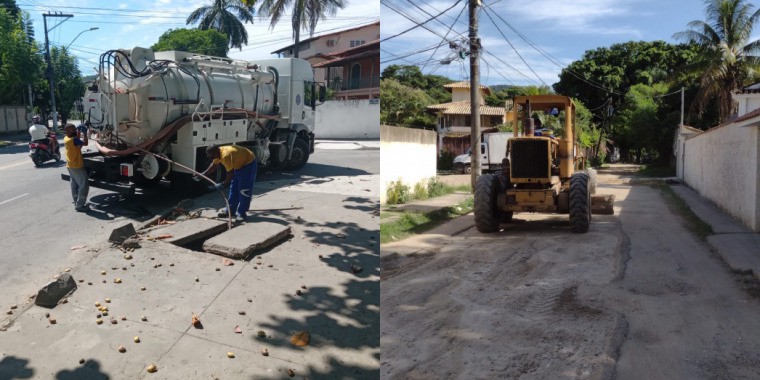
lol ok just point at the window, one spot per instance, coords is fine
(330, 43)
(356, 74)
(355, 43)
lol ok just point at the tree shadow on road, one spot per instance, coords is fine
(12, 367)
(89, 370)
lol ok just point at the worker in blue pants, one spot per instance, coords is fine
(241, 166)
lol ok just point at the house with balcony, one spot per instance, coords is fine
(323, 48)
(455, 118)
(354, 73)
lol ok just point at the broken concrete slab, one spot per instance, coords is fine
(120, 234)
(246, 239)
(55, 291)
(190, 230)
(603, 204)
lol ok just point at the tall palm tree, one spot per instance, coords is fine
(729, 57)
(306, 14)
(225, 16)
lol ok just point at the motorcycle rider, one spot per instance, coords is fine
(41, 134)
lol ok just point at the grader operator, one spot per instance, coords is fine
(541, 173)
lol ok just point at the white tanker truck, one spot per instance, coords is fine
(175, 104)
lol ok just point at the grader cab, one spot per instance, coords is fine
(541, 173)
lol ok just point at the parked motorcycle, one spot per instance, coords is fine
(43, 152)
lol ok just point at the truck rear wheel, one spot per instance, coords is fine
(580, 203)
(486, 211)
(299, 156)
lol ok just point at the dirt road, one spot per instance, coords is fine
(638, 297)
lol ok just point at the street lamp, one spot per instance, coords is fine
(80, 33)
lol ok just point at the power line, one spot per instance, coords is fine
(513, 47)
(446, 35)
(417, 25)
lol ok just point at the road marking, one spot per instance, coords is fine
(12, 165)
(13, 199)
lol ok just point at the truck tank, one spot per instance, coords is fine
(175, 103)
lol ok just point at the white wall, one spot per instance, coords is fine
(747, 103)
(348, 119)
(722, 165)
(13, 119)
(408, 154)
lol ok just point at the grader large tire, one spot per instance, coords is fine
(486, 213)
(580, 203)
(591, 180)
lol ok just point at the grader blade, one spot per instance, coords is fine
(602, 204)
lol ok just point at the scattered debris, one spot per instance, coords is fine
(128, 257)
(227, 262)
(356, 269)
(152, 368)
(122, 349)
(53, 292)
(144, 319)
(171, 265)
(164, 236)
(265, 352)
(298, 292)
(241, 312)
(196, 279)
(113, 321)
(119, 235)
(89, 283)
(137, 339)
(99, 321)
(108, 300)
(97, 304)
(261, 334)
(250, 300)
(9, 312)
(117, 280)
(74, 248)
(196, 322)
(81, 280)
(47, 315)
(142, 288)
(14, 307)
(303, 286)
(52, 321)
(103, 272)
(65, 300)
(291, 372)
(300, 339)
(238, 330)
(270, 265)
(123, 318)
(67, 270)
(81, 361)
(217, 269)
(230, 354)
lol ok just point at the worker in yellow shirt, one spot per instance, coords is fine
(241, 166)
(75, 139)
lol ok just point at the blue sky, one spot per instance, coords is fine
(561, 29)
(126, 24)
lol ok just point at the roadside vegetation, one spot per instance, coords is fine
(398, 225)
(677, 205)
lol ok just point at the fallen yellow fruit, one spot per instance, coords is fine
(152, 368)
(137, 339)
(99, 321)
(108, 300)
(122, 349)
(230, 354)
(97, 304)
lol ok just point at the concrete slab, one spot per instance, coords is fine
(190, 230)
(246, 239)
(740, 251)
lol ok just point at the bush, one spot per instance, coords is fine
(420, 190)
(397, 193)
(446, 160)
(436, 188)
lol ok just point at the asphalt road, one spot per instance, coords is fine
(637, 297)
(38, 224)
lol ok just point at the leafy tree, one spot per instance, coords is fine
(404, 106)
(225, 16)
(68, 81)
(207, 42)
(728, 58)
(411, 76)
(501, 93)
(20, 61)
(305, 14)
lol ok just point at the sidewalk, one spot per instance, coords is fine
(322, 279)
(735, 243)
(347, 144)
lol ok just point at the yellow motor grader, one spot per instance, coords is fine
(540, 173)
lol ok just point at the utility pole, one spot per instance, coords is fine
(682, 101)
(51, 76)
(474, 93)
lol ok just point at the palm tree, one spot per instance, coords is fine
(729, 59)
(225, 16)
(306, 14)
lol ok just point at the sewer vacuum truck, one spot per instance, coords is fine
(175, 104)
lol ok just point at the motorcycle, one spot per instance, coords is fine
(42, 152)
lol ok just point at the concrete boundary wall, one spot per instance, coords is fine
(723, 165)
(348, 119)
(408, 154)
(13, 119)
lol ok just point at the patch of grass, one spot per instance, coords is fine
(4, 143)
(652, 171)
(401, 225)
(676, 204)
